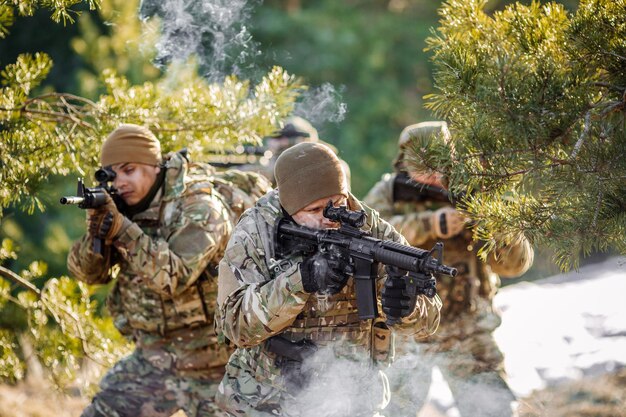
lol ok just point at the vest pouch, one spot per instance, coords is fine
(382, 342)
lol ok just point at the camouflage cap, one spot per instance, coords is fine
(131, 143)
(307, 172)
(423, 130)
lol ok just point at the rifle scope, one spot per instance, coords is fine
(344, 216)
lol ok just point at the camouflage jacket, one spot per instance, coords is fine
(260, 297)
(164, 264)
(467, 298)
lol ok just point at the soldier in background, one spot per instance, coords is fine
(161, 247)
(263, 159)
(463, 347)
(270, 307)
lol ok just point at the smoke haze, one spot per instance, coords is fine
(216, 33)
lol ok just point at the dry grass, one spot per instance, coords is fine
(25, 400)
(603, 396)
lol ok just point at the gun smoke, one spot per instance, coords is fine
(322, 104)
(339, 387)
(216, 33)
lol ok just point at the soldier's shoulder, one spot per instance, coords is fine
(266, 210)
(248, 181)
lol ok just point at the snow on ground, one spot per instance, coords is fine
(564, 327)
(558, 329)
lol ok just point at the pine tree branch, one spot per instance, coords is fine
(582, 137)
(12, 276)
(53, 310)
(609, 86)
(594, 222)
(57, 107)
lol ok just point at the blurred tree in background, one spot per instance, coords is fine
(536, 101)
(372, 51)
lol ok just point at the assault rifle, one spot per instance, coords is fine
(88, 198)
(365, 253)
(242, 155)
(407, 189)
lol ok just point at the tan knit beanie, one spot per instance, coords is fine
(131, 143)
(307, 172)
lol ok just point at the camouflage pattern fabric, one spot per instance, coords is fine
(149, 385)
(260, 296)
(463, 346)
(164, 268)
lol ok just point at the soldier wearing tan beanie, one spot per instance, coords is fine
(279, 306)
(161, 247)
(131, 143)
(307, 172)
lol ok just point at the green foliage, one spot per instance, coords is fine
(63, 327)
(59, 133)
(6, 19)
(372, 53)
(115, 39)
(45, 135)
(61, 9)
(535, 99)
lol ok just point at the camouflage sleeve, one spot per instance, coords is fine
(87, 266)
(414, 226)
(251, 306)
(170, 264)
(380, 197)
(425, 318)
(512, 259)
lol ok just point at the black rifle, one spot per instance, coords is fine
(365, 254)
(244, 155)
(88, 198)
(407, 189)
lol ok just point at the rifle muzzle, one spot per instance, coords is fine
(72, 200)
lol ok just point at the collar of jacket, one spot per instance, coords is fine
(177, 168)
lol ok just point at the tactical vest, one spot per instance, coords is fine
(339, 322)
(151, 312)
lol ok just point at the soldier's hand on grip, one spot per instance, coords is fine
(325, 272)
(447, 222)
(105, 222)
(395, 300)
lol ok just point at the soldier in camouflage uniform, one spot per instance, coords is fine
(463, 347)
(266, 301)
(262, 160)
(161, 248)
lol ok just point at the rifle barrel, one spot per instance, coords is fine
(72, 200)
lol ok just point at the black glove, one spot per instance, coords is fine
(396, 302)
(325, 272)
(105, 222)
